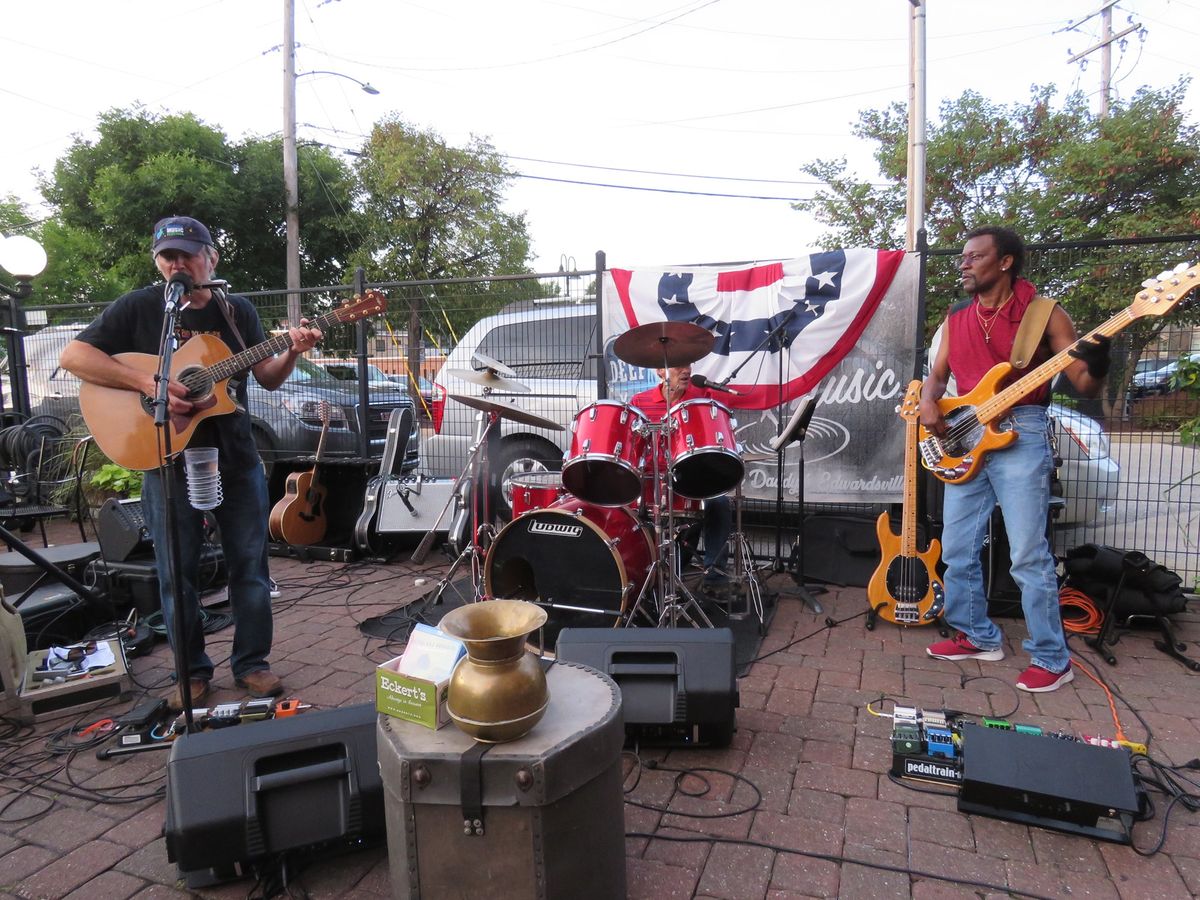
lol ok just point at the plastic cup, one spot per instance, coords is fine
(203, 477)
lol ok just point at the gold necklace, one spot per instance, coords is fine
(986, 325)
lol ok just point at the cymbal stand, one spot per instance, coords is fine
(745, 575)
(481, 529)
(671, 609)
(655, 585)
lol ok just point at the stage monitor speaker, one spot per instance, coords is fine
(121, 530)
(678, 685)
(238, 796)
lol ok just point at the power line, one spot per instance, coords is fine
(657, 190)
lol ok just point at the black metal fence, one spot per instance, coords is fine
(1143, 482)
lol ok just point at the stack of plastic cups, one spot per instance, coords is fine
(203, 477)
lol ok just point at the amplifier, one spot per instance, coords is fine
(237, 796)
(678, 685)
(395, 515)
(1048, 781)
(121, 530)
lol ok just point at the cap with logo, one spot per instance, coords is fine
(181, 233)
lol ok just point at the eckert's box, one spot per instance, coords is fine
(414, 685)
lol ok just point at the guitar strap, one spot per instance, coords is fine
(227, 309)
(1030, 331)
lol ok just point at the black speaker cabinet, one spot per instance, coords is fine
(121, 530)
(678, 685)
(242, 794)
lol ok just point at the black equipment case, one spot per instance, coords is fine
(241, 794)
(679, 685)
(541, 816)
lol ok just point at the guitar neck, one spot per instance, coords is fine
(999, 404)
(908, 512)
(251, 356)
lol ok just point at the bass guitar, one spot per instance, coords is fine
(971, 420)
(299, 516)
(905, 589)
(122, 422)
(398, 431)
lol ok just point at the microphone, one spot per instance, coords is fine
(701, 382)
(181, 283)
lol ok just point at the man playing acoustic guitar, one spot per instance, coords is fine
(979, 334)
(133, 324)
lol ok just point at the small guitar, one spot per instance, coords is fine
(398, 431)
(122, 422)
(971, 431)
(299, 516)
(905, 589)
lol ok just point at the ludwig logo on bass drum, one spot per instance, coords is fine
(572, 531)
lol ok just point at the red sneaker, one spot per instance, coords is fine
(958, 647)
(1037, 680)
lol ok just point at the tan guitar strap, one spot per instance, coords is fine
(1030, 331)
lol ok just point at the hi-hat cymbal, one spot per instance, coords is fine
(658, 345)
(489, 379)
(494, 364)
(506, 411)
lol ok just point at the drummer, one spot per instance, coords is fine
(676, 387)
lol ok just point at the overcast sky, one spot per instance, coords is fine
(733, 94)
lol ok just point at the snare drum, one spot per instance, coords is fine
(682, 507)
(535, 490)
(704, 454)
(608, 453)
(585, 564)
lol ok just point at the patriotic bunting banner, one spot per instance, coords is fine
(778, 325)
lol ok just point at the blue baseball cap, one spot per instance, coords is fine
(181, 233)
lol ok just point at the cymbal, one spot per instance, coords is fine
(489, 379)
(759, 457)
(658, 345)
(506, 411)
(494, 364)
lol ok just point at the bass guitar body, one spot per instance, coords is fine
(299, 516)
(955, 457)
(905, 589)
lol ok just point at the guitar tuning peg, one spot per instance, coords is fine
(1163, 276)
(1149, 283)
(1182, 267)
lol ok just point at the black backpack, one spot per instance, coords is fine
(1148, 590)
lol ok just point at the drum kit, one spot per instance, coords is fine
(598, 544)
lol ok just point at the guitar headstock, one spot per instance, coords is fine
(324, 413)
(910, 407)
(1159, 296)
(371, 303)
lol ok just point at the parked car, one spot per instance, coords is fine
(1153, 381)
(377, 379)
(285, 422)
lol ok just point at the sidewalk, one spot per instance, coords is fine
(805, 741)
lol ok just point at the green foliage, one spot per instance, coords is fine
(1187, 379)
(111, 478)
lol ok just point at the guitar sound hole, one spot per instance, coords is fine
(907, 580)
(197, 382)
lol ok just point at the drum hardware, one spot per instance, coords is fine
(745, 575)
(794, 432)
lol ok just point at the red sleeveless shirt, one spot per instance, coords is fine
(973, 352)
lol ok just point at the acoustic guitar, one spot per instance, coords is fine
(122, 422)
(905, 589)
(299, 516)
(971, 420)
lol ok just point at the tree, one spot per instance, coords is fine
(107, 195)
(1053, 173)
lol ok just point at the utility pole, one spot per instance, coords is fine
(915, 206)
(291, 185)
(1107, 38)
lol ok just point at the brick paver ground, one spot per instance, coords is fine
(808, 765)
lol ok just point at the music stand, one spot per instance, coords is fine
(795, 431)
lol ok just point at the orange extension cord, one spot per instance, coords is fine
(1080, 615)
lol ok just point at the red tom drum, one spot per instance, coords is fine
(535, 490)
(705, 461)
(608, 453)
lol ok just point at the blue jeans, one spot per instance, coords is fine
(718, 525)
(1018, 478)
(242, 517)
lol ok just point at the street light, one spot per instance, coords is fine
(567, 267)
(23, 258)
(291, 180)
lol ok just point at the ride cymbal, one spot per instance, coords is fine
(659, 345)
(489, 379)
(506, 411)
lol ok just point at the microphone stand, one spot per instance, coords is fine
(161, 404)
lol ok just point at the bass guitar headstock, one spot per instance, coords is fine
(910, 407)
(1159, 296)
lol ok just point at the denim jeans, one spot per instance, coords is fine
(242, 517)
(718, 525)
(1018, 478)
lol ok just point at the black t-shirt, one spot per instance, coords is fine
(133, 323)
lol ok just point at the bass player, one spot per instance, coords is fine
(978, 334)
(182, 246)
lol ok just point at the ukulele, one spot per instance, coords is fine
(971, 420)
(122, 422)
(905, 589)
(299, 516)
